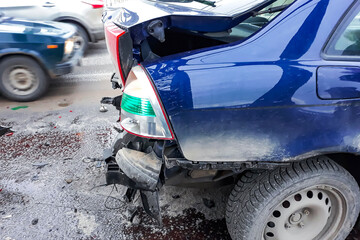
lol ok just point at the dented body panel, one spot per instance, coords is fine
(257, 100)
(235, 96)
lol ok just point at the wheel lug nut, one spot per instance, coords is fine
(301, 224)
(306, 212)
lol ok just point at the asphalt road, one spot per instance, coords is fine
(49, 171)
(50, 176)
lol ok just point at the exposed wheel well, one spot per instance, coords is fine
(350, 162)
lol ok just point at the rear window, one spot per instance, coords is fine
(346, 40)
(253, 23)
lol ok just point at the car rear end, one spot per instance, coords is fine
(146, 153)
(161, 59)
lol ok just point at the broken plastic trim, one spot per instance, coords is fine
(142, 168)
(4, 130)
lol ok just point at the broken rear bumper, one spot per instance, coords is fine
(134, 169)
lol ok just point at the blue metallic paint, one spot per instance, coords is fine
(257, 99)
(338, 82)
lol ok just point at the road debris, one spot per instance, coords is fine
(35, 221)
(9, 134)
(103, 108)
(35, 178)
(19, 107)
(6, 216)
(4, 130)
(40, 165)
(68, 180)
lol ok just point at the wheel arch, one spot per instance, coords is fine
(33, 57)
(76, 21)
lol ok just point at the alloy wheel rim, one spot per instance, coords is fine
(313, 213)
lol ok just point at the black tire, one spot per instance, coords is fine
(11, 66)
(257, 198)
(245, 181)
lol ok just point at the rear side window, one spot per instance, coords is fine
(346, 40)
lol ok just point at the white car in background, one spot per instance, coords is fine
(84, 14)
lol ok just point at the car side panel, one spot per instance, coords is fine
(257, 100)
(33, 46)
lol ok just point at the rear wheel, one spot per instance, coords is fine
(312, 199)
(22, 79)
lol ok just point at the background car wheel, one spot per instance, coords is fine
(312, 199)
(82, 39)
(22, 79)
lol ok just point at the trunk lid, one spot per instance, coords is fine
(144, 30)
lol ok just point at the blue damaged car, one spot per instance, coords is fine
(31, 53)
(260, 94)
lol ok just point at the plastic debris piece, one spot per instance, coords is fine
(70, 111)
(4, 130)
(68, 181)
(103, 109)
(19, 107)
(9, 134)
(99, 164)
(59, 116)
(7, 216)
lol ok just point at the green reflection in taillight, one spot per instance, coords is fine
(138, 106)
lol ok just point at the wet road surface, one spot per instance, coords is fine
(50, 176)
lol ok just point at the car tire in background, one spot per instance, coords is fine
(82, 39)
(22, 79)
(312, 199)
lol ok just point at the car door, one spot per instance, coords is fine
(29, 9)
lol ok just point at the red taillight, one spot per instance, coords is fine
(94, 3)
(112, 35)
